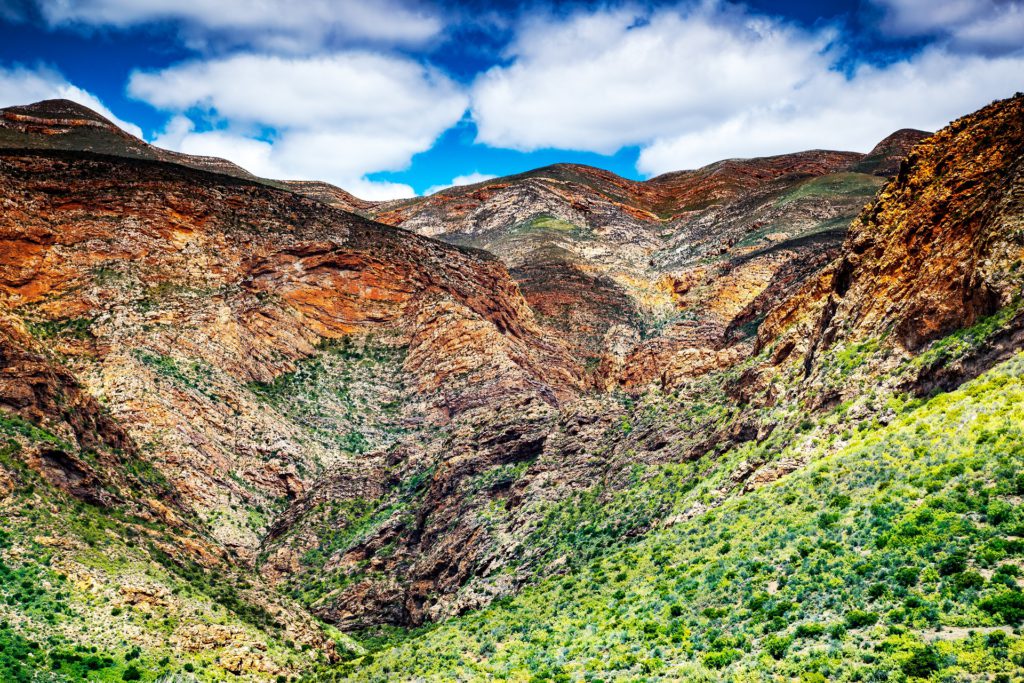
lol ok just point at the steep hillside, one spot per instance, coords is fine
(690, 258)
(842, 527)
(938, 250)
(690, 428)
(171, 322)
(896, 553)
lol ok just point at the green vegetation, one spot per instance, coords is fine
(55, 627)
(74, 328)
(870, 561)
(191, 374)
(348, 397)
(962, 342)
(834, 185)
(338, 525)
(12, 425)
(546, 226)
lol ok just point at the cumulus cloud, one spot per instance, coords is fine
(333, 118)
(605, 79)
(698, 83)
(833, 111)
(278, 25)
(459, 180)
(24, 85)
(991, 26)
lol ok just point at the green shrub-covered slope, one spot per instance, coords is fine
(898, 557)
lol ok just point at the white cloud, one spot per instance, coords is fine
(468, 179)
(332, 118)
(379, 190)
(251, 154)
(700, 83)
(22, 85)
(993, 26)
(835, 112)
(601, 80)
(278, 25)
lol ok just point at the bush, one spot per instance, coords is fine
(953, 564)
(810, 630)
(999, 512)
(131, 674)
(876, 590)
(827, 519)
(907, 576)
(968, 580)
(1008, 605)
(719, 659)
(776, 646)
(923, 663)
(859, 619)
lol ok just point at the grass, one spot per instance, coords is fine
(836, 184)
(13, 425)
(548, 226)
(73, 328)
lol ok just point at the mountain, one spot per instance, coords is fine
(752, 420)
(684, 259)
(868, 525)
(67, 125)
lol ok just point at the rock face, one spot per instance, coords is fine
(938, 250)
(689, 260)
(172, 292)
(374, 426)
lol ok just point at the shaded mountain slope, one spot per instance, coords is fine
(67, 125)
(938, 250)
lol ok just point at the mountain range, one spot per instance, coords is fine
(753, 421)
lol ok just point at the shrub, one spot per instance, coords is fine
(827, 519)
(876, 590)
(719, 659)
(1008, 605)
(999, 512)
(776, 646)
(923, 662)
(131, 674)
(968, 580)
(859, 619)
(809, 630)
(907, 576)
(953, 564)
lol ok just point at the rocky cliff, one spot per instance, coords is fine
(633, 272)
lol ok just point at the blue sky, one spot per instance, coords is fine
(395, 97)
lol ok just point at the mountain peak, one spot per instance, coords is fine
(65, 111)
(884, 158)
